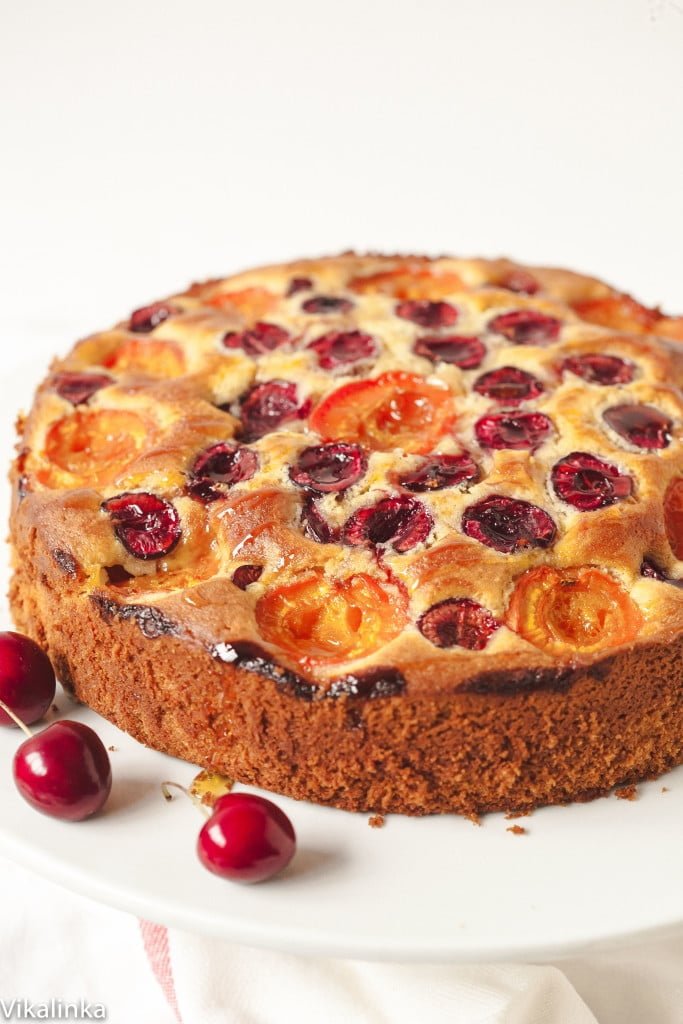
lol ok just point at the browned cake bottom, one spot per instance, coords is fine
(511, 742)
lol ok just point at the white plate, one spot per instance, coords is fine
(416, 890)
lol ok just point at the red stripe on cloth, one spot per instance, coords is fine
(155, 940)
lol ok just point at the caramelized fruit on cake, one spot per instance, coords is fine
(387, 533)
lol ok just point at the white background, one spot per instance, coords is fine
(146, 144)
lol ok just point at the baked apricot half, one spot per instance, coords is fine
(154, 358)
(252, 303)
(572, 610)
(409, 281)
(318, 619)
(673, 516)
(623, 313)
(94, 444)
(395, 410)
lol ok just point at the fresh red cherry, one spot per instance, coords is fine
(64, 771)
(246, 839)
(27, 679)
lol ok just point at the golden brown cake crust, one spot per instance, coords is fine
(556, 675)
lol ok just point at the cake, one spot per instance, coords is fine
(386, 533)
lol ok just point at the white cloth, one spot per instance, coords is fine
(56, 945)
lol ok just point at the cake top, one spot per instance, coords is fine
(414, 469)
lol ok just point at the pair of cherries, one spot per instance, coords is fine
(64, 771)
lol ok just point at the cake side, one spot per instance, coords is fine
(504, 744)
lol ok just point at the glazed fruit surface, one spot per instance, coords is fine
(363, 446)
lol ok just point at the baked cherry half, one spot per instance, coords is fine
(78, 388)
(223, 464)
(651, 570)
(519, 281)
(315, 526)
(640, 425)
(526, 327)
(343, 348)
(394, 410)
(268, 405)
(513, 430)
(257, 340)
(458, 622)
(400, 522)
(299, 284)
(329, 468)
(147, 526)
(245, 575)
(588, 483)
(508, 525)
(508, 385)
(439, 471)
(323, 304)
(599, 369)
(145, 319)
(457, 350)
(426, 313)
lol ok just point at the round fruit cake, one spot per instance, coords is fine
(384, 532)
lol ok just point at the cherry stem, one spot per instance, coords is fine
(16, 719)
(168, 796)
